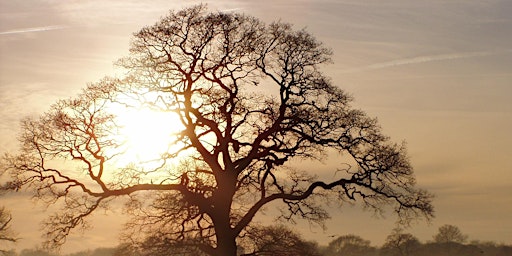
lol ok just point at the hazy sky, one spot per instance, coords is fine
(437, 74)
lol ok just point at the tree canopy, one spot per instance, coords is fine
(450, 233)
(400, 243)
(248, 99)
(350, 245)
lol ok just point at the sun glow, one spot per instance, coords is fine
(146, 135)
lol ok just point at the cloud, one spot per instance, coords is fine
(99, 12)
(33, 29)
(232, 9)
(424, 59)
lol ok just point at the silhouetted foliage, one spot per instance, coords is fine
(250, 99)
(36, 252)
(400, 244)
(260, 241)
(6, 232)
(279, 240)
(160, 246)
(350, 245)
(450, 233)
(276, 240)
(448, 249)
(492, 249)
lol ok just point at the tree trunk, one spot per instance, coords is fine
(226, 238)
(226, 244)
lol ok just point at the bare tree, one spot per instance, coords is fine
(250, 99)
(450, 233)
(5, 229)
(350, 245)
(6, 232)
(399, 243)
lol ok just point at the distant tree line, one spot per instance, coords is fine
(281, 241)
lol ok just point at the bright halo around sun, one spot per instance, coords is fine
(146, 135)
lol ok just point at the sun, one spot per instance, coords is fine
(146, 135)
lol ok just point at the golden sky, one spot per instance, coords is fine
(437, 74)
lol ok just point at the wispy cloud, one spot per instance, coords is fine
(33, 29)
(423, 59)
(232, 9)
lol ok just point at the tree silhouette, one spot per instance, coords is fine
(250, 100)
(350, 245)
(450, 233)
(276, 240)
(6, 233)
(400, 244)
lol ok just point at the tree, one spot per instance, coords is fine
(276, 240)
(6, 232)
(350, 245)
(450, 233)
(250, 99)
(399, 243)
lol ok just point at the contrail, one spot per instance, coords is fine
(232, 9)
(423, 59)
(34, 29)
